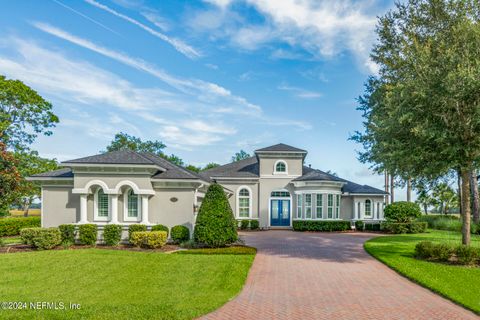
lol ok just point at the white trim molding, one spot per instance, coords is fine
(96, 217)
(126, 218)
(250, 204)
(280, 172)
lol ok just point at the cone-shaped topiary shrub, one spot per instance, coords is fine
(215, 225)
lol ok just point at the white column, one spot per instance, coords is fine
(114, 208)
(144, 209)
(83, 208)
(362, 210)
(355, 210)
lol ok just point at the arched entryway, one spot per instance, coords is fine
(280, 208)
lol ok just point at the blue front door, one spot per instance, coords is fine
(280, 213)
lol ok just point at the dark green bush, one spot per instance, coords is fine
(215, 225)
(467, 255)
(359, 225)
(244, 224)
(338, 225)
(47, 238)
(180, 234)
(254, 225)
(87, 234)
(424, 250)
(112, 234)
(372, 226)
(442, 252)
(160, 227)
(397, 228)
(12, 226)
(27, 235)
(402, 211)
(135, 228)
(68, 233)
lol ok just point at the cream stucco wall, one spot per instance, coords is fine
(235, 186)
(294, 165)
(59, 206)
(165, 211)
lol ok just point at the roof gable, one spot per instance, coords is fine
(246, 168)
(281, 147)
(114, 157)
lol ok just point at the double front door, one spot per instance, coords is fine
(280, 213)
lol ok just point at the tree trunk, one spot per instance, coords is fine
(459, 182)
(475, 202)
(386, 188)
(465, 206)
(425, 208)
(392, 193)
(409, 190)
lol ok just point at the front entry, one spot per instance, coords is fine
(280, 213)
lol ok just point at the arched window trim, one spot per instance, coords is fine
(365, 209)
(249, 202)
(275, 167)
(125, 206)
(96, 203)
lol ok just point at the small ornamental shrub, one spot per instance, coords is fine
(2, 243)
(339, 225)
(180, 234)
(215, 225)
(87, 234)
(397, 227)
(244, 224)
(112, 234)
(68, 233)
(372, 226)
(27, 235)
(134, 228)
(359, 225)
(442, 252)
(160, 227)
(424, 250)
(402, 211)
(467, 255)
(149, 239)
(254, 225)
(47, 238)
(12, 226)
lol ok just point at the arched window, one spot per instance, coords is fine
(244, 203)
(132, 204)
(280, 194)
(101, 205)
(280, 166)
(368, 208)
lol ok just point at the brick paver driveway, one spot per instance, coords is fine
(328, 276)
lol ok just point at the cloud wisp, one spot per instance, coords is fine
(300, 92)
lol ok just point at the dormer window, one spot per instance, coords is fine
(280, 166)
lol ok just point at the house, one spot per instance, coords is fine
(127, 187)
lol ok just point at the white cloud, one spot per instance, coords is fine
(179, 45)
(300, 93)
(156, 19)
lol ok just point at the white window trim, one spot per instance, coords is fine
(280, 172)
(338, 201)
(96, 217)
(250, 196)
(319, 195)
(372, 209)
(125, 207)
(299, 195)
(305, 206)
(332, 206)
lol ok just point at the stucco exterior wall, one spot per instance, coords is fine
(112, 180)
(59, 206)
(267, 185)
(294, 165)
(376, 201)
(162, 210)
(235, 187)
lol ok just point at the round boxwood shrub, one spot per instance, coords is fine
(402, 211)
(112, 234)
(180, 234)
(160, 227)
(359, 225)
(244, 224)
(87, 234)
(134, 228)
(254, 224)
(27, 235)
(68, 233)
(47, 238)
(149, 239)
(215, 225)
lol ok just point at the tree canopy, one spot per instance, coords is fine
(240, 156)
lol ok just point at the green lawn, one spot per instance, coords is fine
(458, 283)
(118, 284)
(11, 240)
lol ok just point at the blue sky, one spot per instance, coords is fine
(207, 78)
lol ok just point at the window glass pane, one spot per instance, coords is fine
(281, 167)
(244, 192)
(368, 208)
(102, 204)
(337, 206)
(319, 206)
(330, 206)
(308, 206)
(244, 203)
(280, 194)
(299, 206)
(132, 204)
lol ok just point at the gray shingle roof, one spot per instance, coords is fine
(352, 187)
(281, 147)
(60, 173)
(172, 170)
(114, 157)
(310, 174)
(246, 168)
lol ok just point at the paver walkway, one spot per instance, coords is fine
(328, 276)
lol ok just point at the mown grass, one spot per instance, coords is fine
(11, 240)
(235, 250)
(116, 284)
(458, 283)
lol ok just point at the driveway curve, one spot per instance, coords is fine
(328, 276)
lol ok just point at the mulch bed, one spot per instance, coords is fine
(27, 248)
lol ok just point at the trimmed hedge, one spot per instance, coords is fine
(410, 227)
(373, 226)
(180, 234)
(41, 238)
(442, 252)
(338, 225)
(12, 226)
(135, 228)
(254, 225)
(215, 225)
(149, 239)
(68, 233)
(112, 234)
(447, 222)
(244, 224)
(402, 211)
(88, 234)
(160, 227)
(359, 225)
